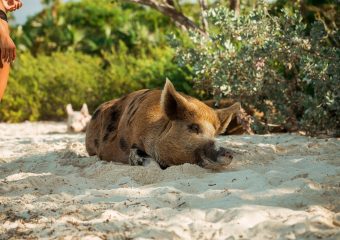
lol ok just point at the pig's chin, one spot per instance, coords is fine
(221, 163)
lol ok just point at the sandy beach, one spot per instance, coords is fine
(278, 187)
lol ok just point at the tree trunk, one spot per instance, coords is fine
(235, 6)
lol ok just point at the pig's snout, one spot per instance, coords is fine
(224, 154)
(214, 156)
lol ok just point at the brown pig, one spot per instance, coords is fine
(168, 126)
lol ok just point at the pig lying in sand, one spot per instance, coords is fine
(77, 121)
(168, 126)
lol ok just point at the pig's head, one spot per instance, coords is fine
(77, 121)
(189, 135)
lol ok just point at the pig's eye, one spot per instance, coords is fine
(194, 128)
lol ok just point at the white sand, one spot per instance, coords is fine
(278, 187)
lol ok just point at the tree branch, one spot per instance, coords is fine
(171, 12)
(204, 7)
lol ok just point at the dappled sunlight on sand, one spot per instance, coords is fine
(278, 186)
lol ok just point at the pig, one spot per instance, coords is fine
(165, 125)
(77, 121)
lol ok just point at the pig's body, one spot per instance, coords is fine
(170, 127)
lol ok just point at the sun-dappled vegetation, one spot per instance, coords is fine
(271, 63)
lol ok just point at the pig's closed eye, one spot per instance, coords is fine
(195, 128)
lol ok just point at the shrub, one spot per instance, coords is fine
(92, 27)
(40, 87)
(271, 63)
(84, 51)
(142, 71)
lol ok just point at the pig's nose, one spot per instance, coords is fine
(225, 153)
(224, 156)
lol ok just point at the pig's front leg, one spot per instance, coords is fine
(139, 158)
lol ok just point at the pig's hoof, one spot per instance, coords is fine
(138, 158)
(134, 158)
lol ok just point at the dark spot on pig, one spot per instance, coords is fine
(137, 100)
(96, 143)
(134, 105)
(143, 96)
(123, 145)
(106, 136)
(131, 116)
(114, 120)
(111, 127)
(113, 137)
(165, 126)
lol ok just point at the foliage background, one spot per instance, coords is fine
(274, 64)
(87, 52)
(93, 51)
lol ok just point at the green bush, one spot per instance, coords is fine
(142, 71)
(40, 87)
(87, 51)
(271, 63)
(92, 27)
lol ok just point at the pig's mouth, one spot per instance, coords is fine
(214, 159)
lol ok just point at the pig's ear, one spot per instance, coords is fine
(84, 110)
(225, 115)
(69, 109)
(173, 104)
